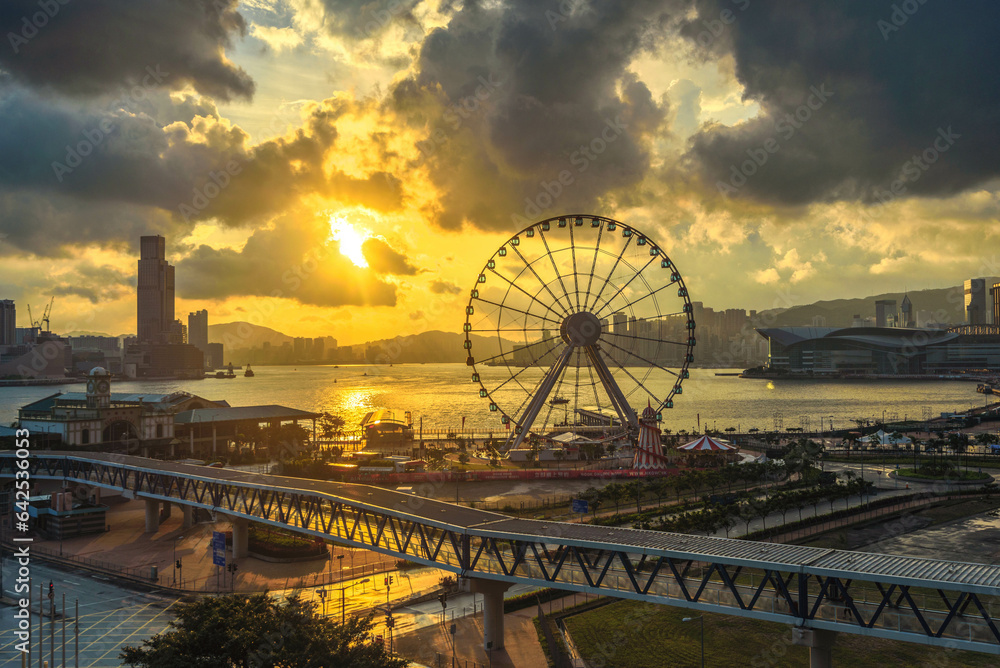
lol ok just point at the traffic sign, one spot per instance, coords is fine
(580, 505)
(219, 548)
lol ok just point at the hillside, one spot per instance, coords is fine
(436, 346)
(241, 334)
(945, 303)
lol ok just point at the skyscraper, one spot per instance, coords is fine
(8, 317)
(155, 313)
(978, 302)
(885, 312)
(198, 329)
(906, 312)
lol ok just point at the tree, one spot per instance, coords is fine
(614, 492)
(634, 490)
(463, 458)
(331, 426)
(256, 630)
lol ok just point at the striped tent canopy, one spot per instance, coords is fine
(706, 444)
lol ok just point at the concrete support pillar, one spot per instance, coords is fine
(165, 509)
(152, 515)
(240, 537)
(213, 439)
(820, 644)
(188, 516)
(492, 592)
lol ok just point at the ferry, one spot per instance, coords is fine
(558, 401)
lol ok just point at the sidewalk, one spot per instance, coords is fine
(128, 546)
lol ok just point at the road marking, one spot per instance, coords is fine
(125, 639)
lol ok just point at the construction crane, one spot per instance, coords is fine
(45, 315)
(37, 324)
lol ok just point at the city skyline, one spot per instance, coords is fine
(350, 169)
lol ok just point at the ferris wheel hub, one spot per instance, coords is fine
(581, 329)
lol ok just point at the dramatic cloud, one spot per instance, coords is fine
(174, 155)
(444, 288)
(383, 259)
(94, 283)
(537, 108)
(859, 100)
(104, 46)
(291, 261)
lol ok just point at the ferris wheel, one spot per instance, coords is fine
(573, 323)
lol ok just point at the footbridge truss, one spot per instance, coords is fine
(819, 590)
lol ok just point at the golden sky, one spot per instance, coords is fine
(339, 168)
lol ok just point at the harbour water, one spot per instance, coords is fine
(442, 394)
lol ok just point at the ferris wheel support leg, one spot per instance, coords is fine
(618, 400)
(537, 401)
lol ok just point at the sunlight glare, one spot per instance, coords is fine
(350, 238)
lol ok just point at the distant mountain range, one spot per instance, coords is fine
(947, 305)
(433, 346)
(242, 334)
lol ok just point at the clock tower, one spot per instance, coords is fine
(99, 388)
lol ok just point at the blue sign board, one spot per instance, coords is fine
(218, 548)
(580, 505)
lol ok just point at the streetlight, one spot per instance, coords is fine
(700, 618)
(343, 599)
(176, 562)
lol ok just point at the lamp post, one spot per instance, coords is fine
(700, 618)
(343, 599)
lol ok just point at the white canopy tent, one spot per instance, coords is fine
(884, 438)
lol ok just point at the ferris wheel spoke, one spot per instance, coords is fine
(512, 351)
(513, 377)
(555, 393)
(562, 312)
(640, 357)
(593, 266)
(622, 288)
(511, 308)
(636, 301)
(539, 278)
(593, 385)
(494, 330)
(576, 278)
(576, 393)
(637, 382)
(611, 273)
(552, 259)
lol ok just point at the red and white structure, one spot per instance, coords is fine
(706, 444)
(648, 450)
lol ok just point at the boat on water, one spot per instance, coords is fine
(558, 401)
(226, 374)
(249, 372)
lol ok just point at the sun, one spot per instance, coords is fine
(350, 238)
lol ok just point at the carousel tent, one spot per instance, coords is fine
(706, 444)
(885, 438)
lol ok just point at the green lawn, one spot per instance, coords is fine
(630, 634)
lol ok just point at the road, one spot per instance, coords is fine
(360, 598)
(110, 616)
